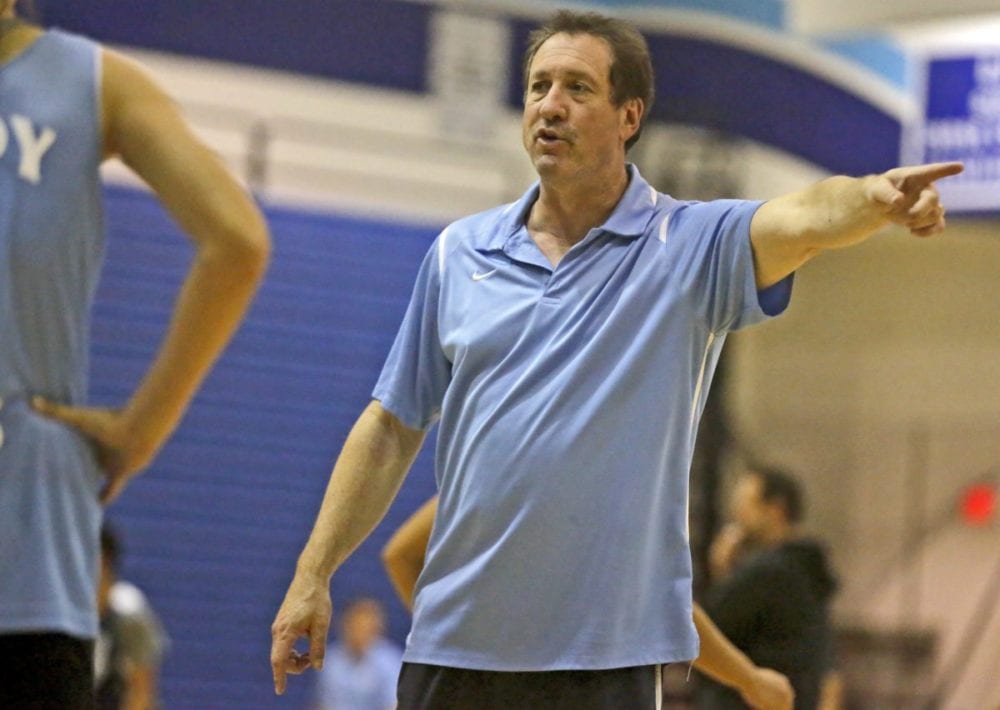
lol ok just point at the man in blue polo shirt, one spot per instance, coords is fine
(564, 344)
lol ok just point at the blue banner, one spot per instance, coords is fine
(962, 122)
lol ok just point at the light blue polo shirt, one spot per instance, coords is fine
(568, 401)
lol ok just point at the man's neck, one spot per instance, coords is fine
(15, 36)
(564, 214)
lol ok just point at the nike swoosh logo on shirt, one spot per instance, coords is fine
(476, 276)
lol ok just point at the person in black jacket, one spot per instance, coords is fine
(771, 589)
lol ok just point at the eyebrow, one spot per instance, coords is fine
(570, 73)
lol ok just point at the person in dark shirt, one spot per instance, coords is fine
(772, 589)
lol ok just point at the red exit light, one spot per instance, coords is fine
(978, 504)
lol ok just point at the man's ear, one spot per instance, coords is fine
(633, 110)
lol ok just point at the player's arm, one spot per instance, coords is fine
(831, 691)
(372, 465)
(140, 688)
(142, 126)
(840, 211)
(403, 556)
(140, 641)
(761, 688)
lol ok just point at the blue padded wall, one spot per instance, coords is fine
(213, 529)
(329, 38)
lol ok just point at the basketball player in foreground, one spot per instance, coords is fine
(66, 105)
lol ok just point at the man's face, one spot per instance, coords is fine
(362, 625)
(749, 509)
(570, 126)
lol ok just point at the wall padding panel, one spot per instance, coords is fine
(213, 528)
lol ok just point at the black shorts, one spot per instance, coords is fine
(46, 671)
(424, 687)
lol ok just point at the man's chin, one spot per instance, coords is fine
(548, 164)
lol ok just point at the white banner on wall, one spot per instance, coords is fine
(469, 72)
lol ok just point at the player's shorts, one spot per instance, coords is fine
(46, 671)
(425, 687)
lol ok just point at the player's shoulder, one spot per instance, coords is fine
(691, 219)
(711, 209)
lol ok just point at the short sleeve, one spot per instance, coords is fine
(417, 372)
(719, 232)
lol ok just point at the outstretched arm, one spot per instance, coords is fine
(761, 688)
(372, 465)
(142, 126)
(840, 211)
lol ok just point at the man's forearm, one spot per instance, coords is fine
(369, 471)
(835, 212)
(841, 211)
(211, 303)
(788, 231)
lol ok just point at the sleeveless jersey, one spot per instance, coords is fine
(51, 250)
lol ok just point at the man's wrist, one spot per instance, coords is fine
(310, 568)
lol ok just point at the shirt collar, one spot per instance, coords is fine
(630, 217)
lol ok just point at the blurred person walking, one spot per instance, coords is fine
(361, 669)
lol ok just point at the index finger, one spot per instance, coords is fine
(930, 172)
(281, 648)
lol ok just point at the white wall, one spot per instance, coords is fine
(824, 16)
(338, 145)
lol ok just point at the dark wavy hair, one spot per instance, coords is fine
(781, 487)
(631, 74)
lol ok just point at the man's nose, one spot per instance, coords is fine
(553, 105)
